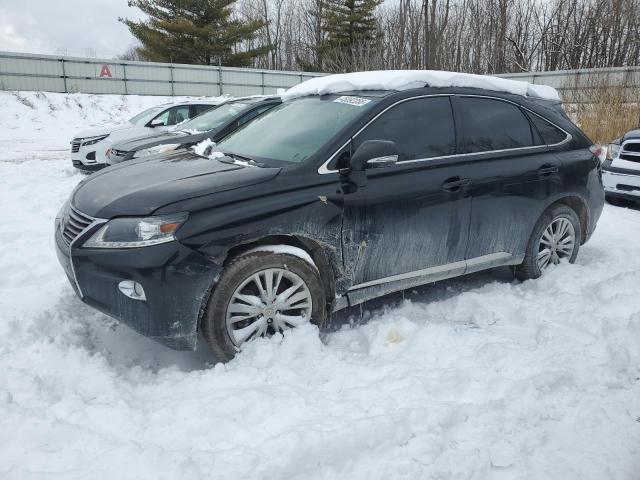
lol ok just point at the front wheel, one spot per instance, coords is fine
(260, 294)
(555, 238)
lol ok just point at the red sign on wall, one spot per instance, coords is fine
(105, 72)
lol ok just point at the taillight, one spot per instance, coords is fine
(597, 151)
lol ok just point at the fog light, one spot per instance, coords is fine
(132, 289)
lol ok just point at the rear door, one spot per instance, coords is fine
(410, 216)
(512, 176)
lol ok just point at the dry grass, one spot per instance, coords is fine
(604, 112)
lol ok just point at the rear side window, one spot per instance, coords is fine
(421, 128)
(549, 133)
(493, 125)
(201, 109)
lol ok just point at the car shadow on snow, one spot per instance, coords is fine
(432, 292)
(122, 347)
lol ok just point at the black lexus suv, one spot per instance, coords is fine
(327, 201)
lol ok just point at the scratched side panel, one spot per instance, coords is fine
(403, 221)
(312, 210)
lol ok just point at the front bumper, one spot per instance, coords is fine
(621, 183)
(176, 280)
(89, 157)
(88, 168)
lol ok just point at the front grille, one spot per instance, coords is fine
(74, 223)
(631, 152)
(75, 145)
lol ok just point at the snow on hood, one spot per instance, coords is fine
(407, 79)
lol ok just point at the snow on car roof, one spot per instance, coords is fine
(407, 79)
(198, 101)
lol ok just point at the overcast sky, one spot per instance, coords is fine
(74, 27)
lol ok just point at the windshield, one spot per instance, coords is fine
(213, 118)
(295, 130)
(146, 115)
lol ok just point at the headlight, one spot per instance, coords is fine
(92, 140)
(136, 232)
(612, 151)
(157, 149)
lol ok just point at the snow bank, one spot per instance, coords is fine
(49, 120)
(407, 79)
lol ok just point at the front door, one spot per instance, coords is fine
(412, 218)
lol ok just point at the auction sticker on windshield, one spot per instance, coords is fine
(356, 101)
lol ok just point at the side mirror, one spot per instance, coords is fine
(156, 123)
(371, 154)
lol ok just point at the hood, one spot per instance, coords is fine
(104, 130)
(142, 142)
(631, 135)
(139, 187)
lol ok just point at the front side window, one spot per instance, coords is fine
(420, 128)
(493, 125)
(173, 116)
(295, 130)
(143, 117)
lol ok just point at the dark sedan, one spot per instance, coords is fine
(213, 125)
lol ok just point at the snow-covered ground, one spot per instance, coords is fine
(41, 124)
(476, 378)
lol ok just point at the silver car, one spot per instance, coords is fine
(90, 148)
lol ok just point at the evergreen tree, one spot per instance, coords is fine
(350, 31)
(193, 31)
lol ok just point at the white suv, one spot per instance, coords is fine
(89, 149)
(621, 169)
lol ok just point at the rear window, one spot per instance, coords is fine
(493, 125)
(549, 133)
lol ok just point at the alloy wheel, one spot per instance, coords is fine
(269, 301)
(557, 242)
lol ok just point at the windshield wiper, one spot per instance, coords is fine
(243, 159)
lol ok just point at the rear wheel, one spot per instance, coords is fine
(555, 238)
(260, 294)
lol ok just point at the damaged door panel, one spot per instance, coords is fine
(414, 214)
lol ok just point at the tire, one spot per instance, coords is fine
(223, 337)
(555, 216)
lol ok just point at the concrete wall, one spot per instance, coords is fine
(19, 71)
